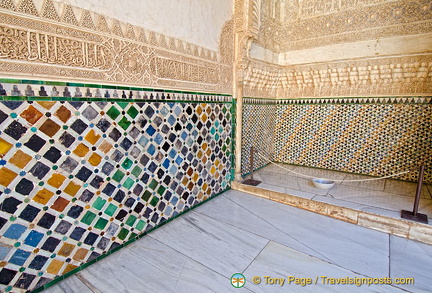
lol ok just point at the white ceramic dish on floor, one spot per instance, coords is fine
(323, 183)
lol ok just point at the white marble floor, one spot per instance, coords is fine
(241, 233)
(384, 197)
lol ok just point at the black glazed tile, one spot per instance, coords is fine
(91, 238)
(76, 105)
(75, 211)
(79, 126)
(24, 187)
(115, 134)
(38, 262)
(77, 233)
(126, 144)
(15, 130)
(35, 143)
(6, 276)
(109, 189)
(3, 117)
(66, 139)
(86, 196)
(103, 243)
(83, 174)
(39, 170)
(46, 221)
(10, 205)
(120, 195)
(121, 215)
(53, 155)
(24, 281)
(29, 213)
(97, 182)
(12, 104)
(2, 222)
(103, 125)
(50, 244)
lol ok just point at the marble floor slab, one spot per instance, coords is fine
(347, 245)
(282, 269)
(381, 196)
(70, 285)
(146, 265)
(411, 259)
(241, 233)
(207, 239)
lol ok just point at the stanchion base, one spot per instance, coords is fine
(251, 182)
(422, 218)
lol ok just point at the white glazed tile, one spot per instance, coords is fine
(222, 248)
(281, 262)
(411, 259)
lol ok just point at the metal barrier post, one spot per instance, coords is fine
(414, 215)
(251, 181)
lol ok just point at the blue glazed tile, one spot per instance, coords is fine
(15, 231)
(19, 257)
(4, 250)
(33, 238)
(150, 130)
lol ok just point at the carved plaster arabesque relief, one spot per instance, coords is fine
(76, 44)
(300, 25)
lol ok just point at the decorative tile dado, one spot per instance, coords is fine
(80, 178)
(376, 139)
(50, 43)
(257, 131)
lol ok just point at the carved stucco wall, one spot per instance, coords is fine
(49, 39)
(341, 48)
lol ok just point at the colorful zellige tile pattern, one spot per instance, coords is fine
(78, 179)
(374, 139)
(258, 131)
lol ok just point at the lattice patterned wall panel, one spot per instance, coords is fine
(258, 131)
(380, 137)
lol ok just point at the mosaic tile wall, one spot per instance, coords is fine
(81, 176)
(258, 131)
(374, 136)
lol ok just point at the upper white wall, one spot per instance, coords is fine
(196, 21)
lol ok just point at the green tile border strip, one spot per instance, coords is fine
(102, 86)
(341, 100)
(233, 137)
(76, 270)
